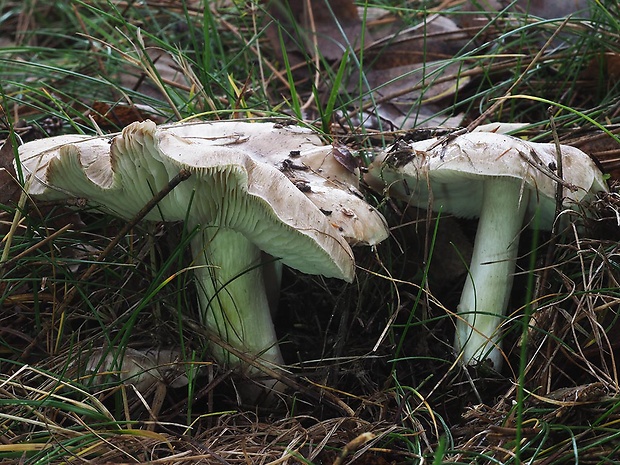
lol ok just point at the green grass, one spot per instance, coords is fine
(374, 356)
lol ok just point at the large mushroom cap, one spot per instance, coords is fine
(310, 165)
(236, 184)
(446, 172)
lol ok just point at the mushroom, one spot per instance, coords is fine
(240, 202)
(144, 369)
(505, 182)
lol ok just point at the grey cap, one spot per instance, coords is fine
(448, 174)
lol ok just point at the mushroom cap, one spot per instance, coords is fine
(234, 184)
(309, 164)
(450, 173)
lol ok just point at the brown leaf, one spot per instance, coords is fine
(604, 68)
(600, 146)
(402, 69)
(542, 8)
(552, 8)
(319, 23)
(411, 95)
(343, 156)
(10, 189)
(436, 38)
(112, 117)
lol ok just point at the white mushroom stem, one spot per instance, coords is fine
(232, 295)
(487, 289)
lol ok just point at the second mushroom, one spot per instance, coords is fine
(508, 184)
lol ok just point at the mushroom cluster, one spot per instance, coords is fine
(263, 195)
(508, 184)
(259, 195)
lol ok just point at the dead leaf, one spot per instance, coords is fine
(402, 117)
(553, 8)
(600, 146)
(343, 156)
(547, 9)
(602, 69)
(408, 76)
(309, 26)
(10, 190)
(410, 95)
(405, 78)
(435, 38)
(542, 8)
(114, 117)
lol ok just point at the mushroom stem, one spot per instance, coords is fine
(487, 289)
(232, 295)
